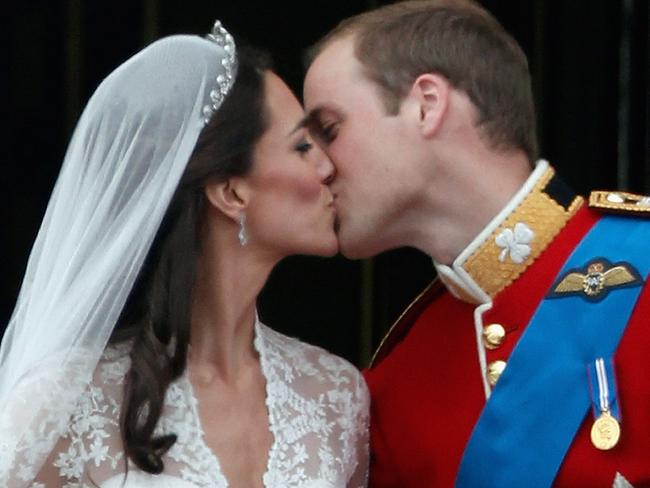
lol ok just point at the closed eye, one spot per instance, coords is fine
(328, 132)
(303, 147)
(324, 124)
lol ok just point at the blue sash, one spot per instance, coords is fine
(542, 397)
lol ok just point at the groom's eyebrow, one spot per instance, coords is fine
(308, 120)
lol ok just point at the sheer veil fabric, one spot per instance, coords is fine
(120, 171)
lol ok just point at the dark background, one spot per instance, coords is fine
(590, 65)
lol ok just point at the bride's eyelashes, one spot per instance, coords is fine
(303, 147)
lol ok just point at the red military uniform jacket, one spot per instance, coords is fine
(430, 379)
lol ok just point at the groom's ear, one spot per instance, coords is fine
(430, 92)
(231, 196)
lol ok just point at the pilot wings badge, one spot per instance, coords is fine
(595, 280)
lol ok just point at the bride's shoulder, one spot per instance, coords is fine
(102, 396)
(310, 362)
(99, 403)
(114, 364)
(60, 380)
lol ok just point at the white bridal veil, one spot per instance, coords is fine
(122, 166)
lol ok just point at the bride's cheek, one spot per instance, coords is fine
(309, 189)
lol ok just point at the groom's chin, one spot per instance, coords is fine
(350, 248)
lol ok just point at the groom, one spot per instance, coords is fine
(519, 365)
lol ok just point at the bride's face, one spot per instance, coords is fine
(291, 208)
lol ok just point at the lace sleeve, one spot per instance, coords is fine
(30, 430)
(78, 430)
(359, 478)
(50, 475)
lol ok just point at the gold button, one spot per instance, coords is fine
(493, 335)
(494, 371)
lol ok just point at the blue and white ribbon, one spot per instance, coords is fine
(604, 395)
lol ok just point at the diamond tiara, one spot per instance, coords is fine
(221, 37)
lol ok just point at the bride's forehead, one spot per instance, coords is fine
(282, 104)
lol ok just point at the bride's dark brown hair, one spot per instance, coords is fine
(156, 317)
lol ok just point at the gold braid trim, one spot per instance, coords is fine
(543, 215)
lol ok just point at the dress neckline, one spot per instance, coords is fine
(209, 454)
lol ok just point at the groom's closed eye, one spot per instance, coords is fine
(327, 131)
(323, 125)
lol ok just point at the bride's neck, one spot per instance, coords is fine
(229, 279)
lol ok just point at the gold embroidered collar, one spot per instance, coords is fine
(513, 239)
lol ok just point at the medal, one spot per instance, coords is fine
(606, 430)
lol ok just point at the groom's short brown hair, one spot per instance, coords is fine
(459, 40)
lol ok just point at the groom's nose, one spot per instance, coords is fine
(324, 166)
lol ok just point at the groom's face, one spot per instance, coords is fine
(365, 144)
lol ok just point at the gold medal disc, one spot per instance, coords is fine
(605, 432)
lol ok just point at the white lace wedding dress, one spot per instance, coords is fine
(318, 414)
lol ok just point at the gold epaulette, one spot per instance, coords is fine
(403, 324)
(620, 202)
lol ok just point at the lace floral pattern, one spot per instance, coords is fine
(57, 384)
(318, 414)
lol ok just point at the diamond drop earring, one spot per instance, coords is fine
(242, 236)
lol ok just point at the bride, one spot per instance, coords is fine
(135, 356)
